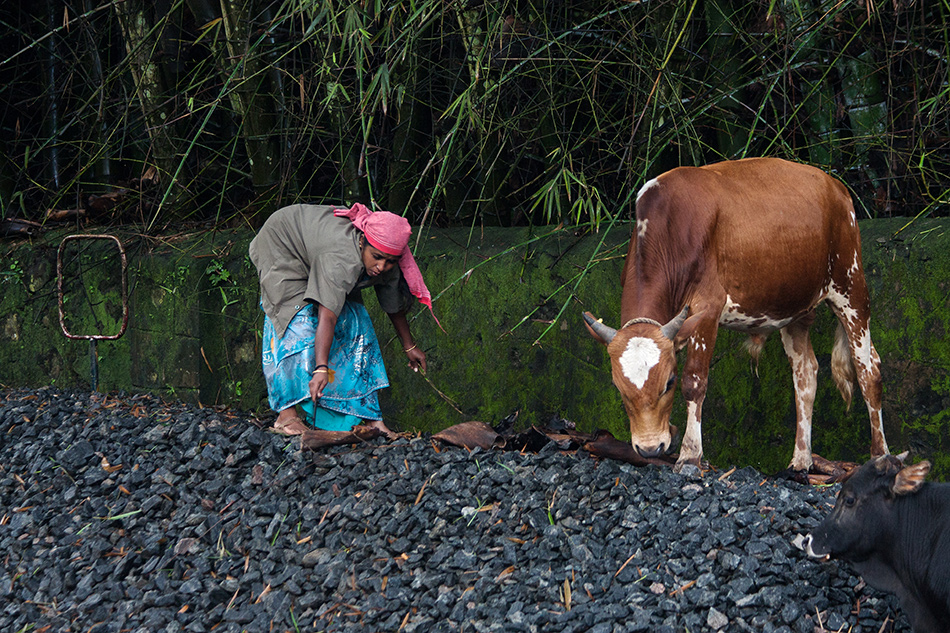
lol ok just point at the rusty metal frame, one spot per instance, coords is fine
(59, 288)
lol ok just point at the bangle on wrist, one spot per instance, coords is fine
(324, 369)
(409, 349)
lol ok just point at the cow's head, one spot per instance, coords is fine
(643, 364)
(862, 516)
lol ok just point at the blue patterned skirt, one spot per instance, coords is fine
(355, 358)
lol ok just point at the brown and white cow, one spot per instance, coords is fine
(752, 245)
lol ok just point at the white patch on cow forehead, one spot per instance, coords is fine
(640, 356)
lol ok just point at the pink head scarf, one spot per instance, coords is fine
(389, 233)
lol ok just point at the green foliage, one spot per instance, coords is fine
(218, 275)
(13, 273)
(220, 278)
(177, 280)
(506, 113)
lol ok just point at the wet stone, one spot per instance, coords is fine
(250, 533)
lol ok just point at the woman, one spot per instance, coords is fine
(319, 347)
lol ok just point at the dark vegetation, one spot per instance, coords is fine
(466, 113)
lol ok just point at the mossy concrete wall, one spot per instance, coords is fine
(194, 333)
(193, 317)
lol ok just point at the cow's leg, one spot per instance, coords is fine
(800, 354)
(853, 312)
(699, 351)
(871, 389)
(867, 366)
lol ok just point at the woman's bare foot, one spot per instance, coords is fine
(380, 425)
(289, 423)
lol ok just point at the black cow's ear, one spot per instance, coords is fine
(910, 479)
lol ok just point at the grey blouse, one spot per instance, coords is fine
(305, 253)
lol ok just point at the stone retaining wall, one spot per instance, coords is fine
(510, 301)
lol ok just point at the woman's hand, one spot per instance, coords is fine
(318, 383)
(323, 339)
(417, 359)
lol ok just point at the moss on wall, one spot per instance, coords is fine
(911, 277)
(172, 297)
(194, 333)
(498, 297)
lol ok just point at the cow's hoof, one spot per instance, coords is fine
(688, 467)
(691, 471)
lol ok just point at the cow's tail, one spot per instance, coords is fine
(842, 366)
(754, 345)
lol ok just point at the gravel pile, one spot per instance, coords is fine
(132, 514)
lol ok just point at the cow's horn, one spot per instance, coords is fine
(606, 333)
(670, 329)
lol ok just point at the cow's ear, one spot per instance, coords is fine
(689, 326)
(910, 479)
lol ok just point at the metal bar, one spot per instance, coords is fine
(94, 364)
(59, 287)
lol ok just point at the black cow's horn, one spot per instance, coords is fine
(606, 333)
(670, 329)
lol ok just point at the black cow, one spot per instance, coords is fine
(894, 528)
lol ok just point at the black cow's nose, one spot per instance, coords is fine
(650, 451)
